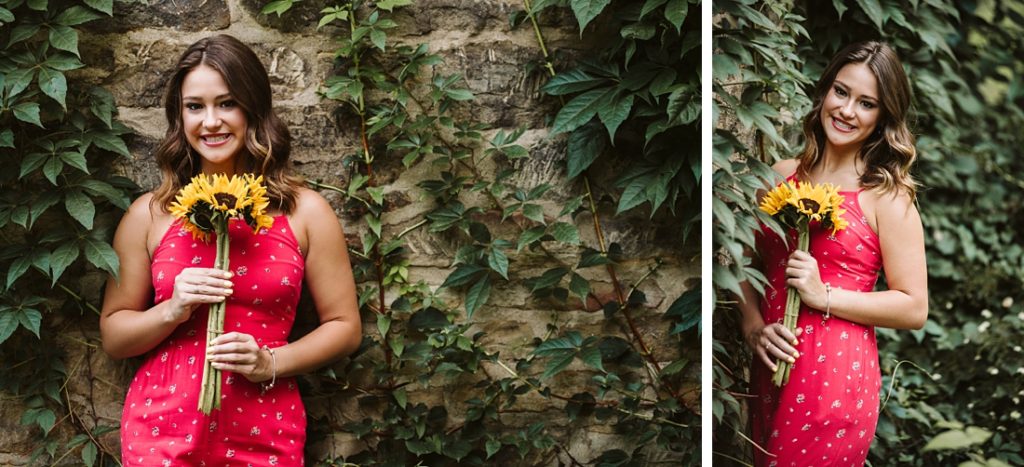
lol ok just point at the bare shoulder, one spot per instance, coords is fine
(309, 203)
(891, 204)
(786, 167)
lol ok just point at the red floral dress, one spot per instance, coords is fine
(161, 424)
(826, 414)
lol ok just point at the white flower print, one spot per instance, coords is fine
(836, 404)
(254, 431)
(172, 388)
(197, 259)
(285, 281)
(856, 366)
(272, 460)
(230, 453)
(241, 271)
(160, 276)
(841, 433)
(800, 398)
(156, 431)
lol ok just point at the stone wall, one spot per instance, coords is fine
(131, 56)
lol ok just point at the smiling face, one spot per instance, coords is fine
(850, 111)
(213, 122)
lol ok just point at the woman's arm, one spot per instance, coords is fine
(905, 304)
(328, 274)
(128, 326)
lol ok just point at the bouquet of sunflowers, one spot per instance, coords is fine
(204, 207)
(797, 206)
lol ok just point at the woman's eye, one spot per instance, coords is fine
(868, 105)
(193, 106)
(228, 104)
(840, 92)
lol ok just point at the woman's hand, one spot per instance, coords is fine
(196, 286)
(773, 342)
(239, 353)
(803, 275)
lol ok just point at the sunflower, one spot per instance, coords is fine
(777, 199)
(206, 203)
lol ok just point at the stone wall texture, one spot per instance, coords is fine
(132, 54)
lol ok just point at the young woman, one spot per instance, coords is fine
(220, 121)
(857, 139)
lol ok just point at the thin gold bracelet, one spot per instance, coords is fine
(828, 300)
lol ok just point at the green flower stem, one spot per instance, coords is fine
(792, 314)
(209, 395)
(540, 38)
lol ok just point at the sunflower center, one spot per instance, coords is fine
(809, 204)
(227, 199)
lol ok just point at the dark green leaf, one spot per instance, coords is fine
(62, 257)
(17, 269)
(550, 278)
(591, 355)
(31, 319)
(615, 113)
(6, 16)
(80, 207)
(76, 15)
(8, 323)
(101, 255)
(587, 10)
(106, 6)
(89, 454)
(874, 11)
(529, 236)
(675, 12)
(428, 319)
(492, 446)
(101, 103)
(498, 261)
(22, 32)
(565, 232)
(53, 84)
(28, 112)
(533, 212)
(579, 286)
(463, 274)
(477, 296)
(634, 194)
(592, 257)
(277, 7)
(581, 109)
(64, 38)
(52, 169)
(572, 81)
(586, 143)
(110, 142)
(6, 138)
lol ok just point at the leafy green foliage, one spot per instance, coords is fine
(408, 111)
(58, 207)
(962, 61)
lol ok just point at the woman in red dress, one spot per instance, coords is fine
(857, 139)
(220, 121)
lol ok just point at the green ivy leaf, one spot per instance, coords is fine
(101, 103)
(64, 38)
(675, 12)
(110, 142)
(498, 261)
(614, 114)
(587, 10)
(462, 275)
(579, 286)
(76, 15)
(101, 255)
(6, 16)
(529, 236)
(6, 138)
(683, 106)
(63, 61)
(534, 212)
(392, 4)
(31, 319)
(550, 278)
(383, 324)
(581, 109)
(277, 7)
(400, 397)
(874, 11)
(8, 323)
(591, 355)
(60, 259)
(28, 112)
(38, 5)
(492, 446)
(80, 207)
(477, 295)
(634, 194)
(374, 223)
(572, 81)
(378, 37)
(89, 454)
(17, 269)
(53, 84)
(592, 257)
(20, 33)
(565, 232)
(52, 169)
(106, 6)
(586, 143)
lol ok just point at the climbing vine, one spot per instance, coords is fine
(59, 204)
(411, 113)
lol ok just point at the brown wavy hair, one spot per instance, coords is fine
(889, 151)
(267, 141)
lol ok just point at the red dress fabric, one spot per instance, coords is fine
(826, 414)
(161, 424)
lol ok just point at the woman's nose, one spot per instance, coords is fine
(212, 120)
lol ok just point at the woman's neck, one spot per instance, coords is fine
(839, 166)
